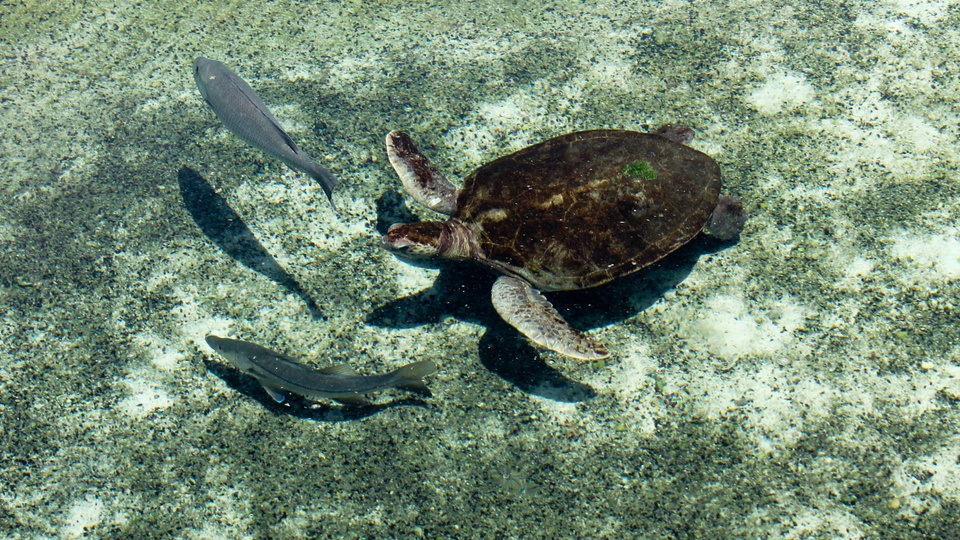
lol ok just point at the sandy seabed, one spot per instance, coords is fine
(803, 382)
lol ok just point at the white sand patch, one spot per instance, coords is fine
(613, 68)
(188, 308)
(491, 429)
(730, 329)
(305, 220)
(7, 232)
(611, 72)
(782, 92)
(386, 348)
(164, 269)
(915, 394)
(163, 354)
(145, 397)
(400, 347)
(211, 531)
(297, 73)
(930, 257)
(858, 267)
(229, 512)
(352, 69)
(571, 97)
(845, 259)
(840, 317)
(411, 279)
(561, 413)
(935, 474)
(917, 132)
(927, 12)
(877, 131)
(876, 136)
(633, 372)
(293, 120)
(194, 330)
(776, 402)
(82, 515)
(860, 148)
(510, 116)
(867, 108)
(820, 197)
(511, 123)
(475, 143)
(951, 371)
(778, 242)
(469, 50)
(633, 381)
(277, 308)
(824, 520)
(708, 142)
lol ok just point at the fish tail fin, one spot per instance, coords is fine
(325, 178)
(410, 377)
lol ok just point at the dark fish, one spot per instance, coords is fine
(278, 373)
(245, 114)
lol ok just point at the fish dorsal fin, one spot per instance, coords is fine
(258, 105)
(338, 369)
(286, 138)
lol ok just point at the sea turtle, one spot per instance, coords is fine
(572, 212)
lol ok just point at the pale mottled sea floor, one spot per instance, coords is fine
(802, 383)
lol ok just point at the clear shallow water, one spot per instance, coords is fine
(803, 383)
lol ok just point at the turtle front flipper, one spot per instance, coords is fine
(420, 177)
(524, 308)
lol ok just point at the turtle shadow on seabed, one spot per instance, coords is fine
(626, 297)
(226, 229)
(462, 291)
(390, 210)
(299, 407)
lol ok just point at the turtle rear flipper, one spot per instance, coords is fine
(420, 177)
(523, 307)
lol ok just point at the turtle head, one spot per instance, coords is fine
(429, 239)
(414, 240)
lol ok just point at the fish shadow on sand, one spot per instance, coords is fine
(300, 407)
(462, 290)
(224, 227)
